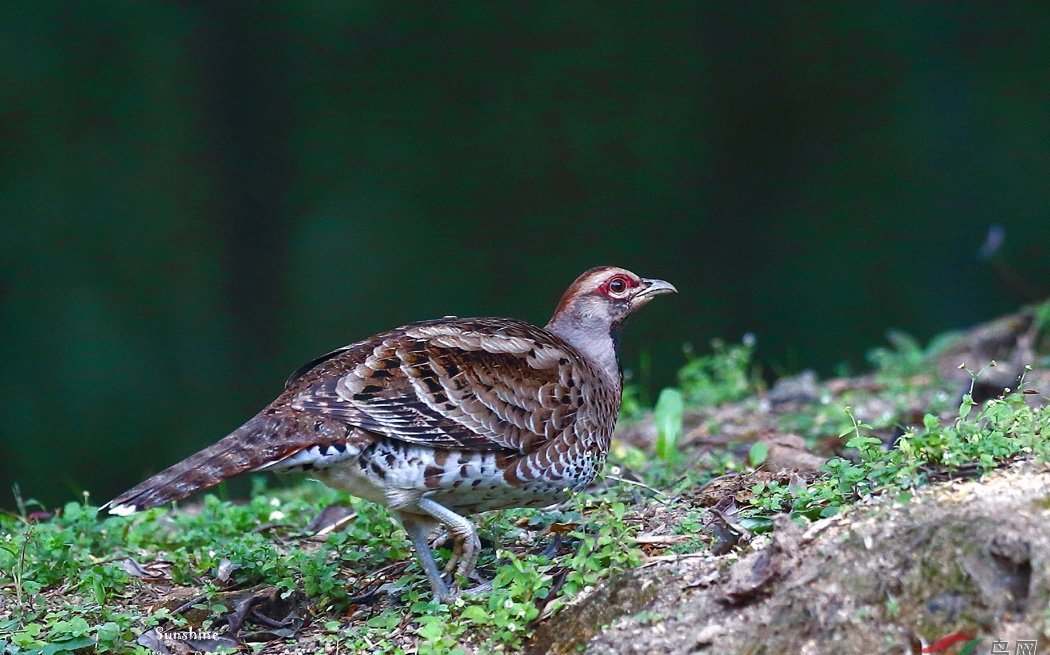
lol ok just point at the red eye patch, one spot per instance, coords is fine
(617, 284)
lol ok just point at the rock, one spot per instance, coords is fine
(626, 595)
(789, 451)
(797, 389)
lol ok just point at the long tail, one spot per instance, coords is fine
(253, 445)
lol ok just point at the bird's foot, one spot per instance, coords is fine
(481, 586)
(443, 592)
(466, 546)
(451, 590)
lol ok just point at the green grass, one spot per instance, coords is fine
(69, 591)
(977, 439)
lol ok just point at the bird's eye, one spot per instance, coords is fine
(617, 285)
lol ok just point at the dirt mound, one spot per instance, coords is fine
(969, 558)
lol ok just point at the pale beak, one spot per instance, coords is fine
(655, 288)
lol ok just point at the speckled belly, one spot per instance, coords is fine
(464, 481)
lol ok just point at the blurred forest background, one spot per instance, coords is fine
(198, 197)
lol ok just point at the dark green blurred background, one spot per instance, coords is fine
(197, 198)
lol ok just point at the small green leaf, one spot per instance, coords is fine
(67, 646)
(27, 638)
(667, 415)
(757, 524)
(108, 632)
(430, 631)
(965, 406)
(758, 453)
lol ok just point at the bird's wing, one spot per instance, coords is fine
(478, 384)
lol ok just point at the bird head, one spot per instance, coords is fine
(595, 306)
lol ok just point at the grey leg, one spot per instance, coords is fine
(419, 529)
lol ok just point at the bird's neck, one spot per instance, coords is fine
(594, 340)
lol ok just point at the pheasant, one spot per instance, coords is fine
(441, 419)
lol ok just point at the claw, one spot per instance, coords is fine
(483, 585)
(457, 553)
(470, 548)
(440, 539)
(478, 589)
(443, 592)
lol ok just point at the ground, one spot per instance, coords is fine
(963, 557)
(873, 513)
